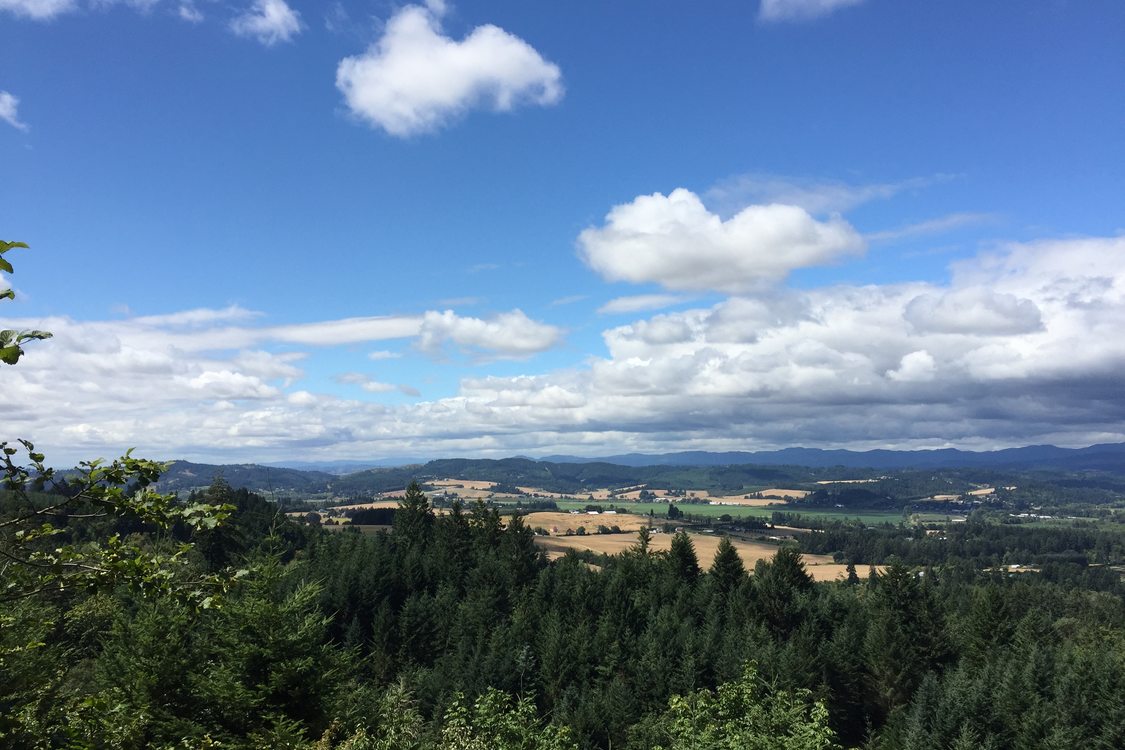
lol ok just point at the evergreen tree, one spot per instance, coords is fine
(682, 559)
(414, 518)
(727, 570)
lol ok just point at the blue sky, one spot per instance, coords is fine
(271, 230)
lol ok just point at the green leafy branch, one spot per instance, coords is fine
(10, 340)
(31, 563)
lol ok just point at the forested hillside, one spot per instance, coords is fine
(452, 630)
(583, 477)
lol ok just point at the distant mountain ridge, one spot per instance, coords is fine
(1102, 457)
(575, 474)
(185, 475)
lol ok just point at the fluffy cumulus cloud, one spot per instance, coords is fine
(801, 10)
(973, 310)
(415, 79)
(510, 335)
(1020, 345)
(675, 241)
(268, 21)
(9, 111)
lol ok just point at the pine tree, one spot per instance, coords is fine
(727, 569)
(414, 518)
(682, 558)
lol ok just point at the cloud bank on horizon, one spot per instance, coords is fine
(1020, 345)
(528, 298)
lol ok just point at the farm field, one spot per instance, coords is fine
(838, 514)
(820, 567)
(558, 523)
(704, 510)
(365, 506)
(739, 501)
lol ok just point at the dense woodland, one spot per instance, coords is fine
(453, 631)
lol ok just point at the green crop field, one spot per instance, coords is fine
(703, 511)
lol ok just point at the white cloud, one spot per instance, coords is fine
(378, 356)
(268, 21)
(40, 10)
(347, 330)
(916, 366)
(831, 366)
(187, 11)
(510, 335)
(801, 10)
(939, 225)
(974, 310)
(365, 382)
(9, 110)
(197, 316)
(677, 242)
(144, 6)
(415, 79)
(818, 196)
(569, 299)
(639, 303)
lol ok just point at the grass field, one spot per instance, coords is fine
(714, 511)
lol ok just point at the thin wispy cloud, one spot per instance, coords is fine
(39, 10)
(570, 299)
(268, 21)
(801, 10)
(188, 11)
(365, 382)
(939, 225)
(640, 303)
(9, 111)
(817, 196)
(416, 79)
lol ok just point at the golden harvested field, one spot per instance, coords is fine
(945, 498)
(771, 496)
(982, 491)
(557, 522)
(820, 567)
